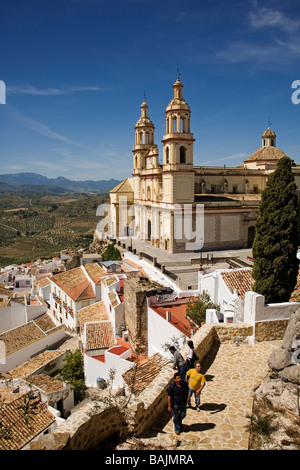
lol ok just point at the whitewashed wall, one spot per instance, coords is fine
(12, 316)
(22, 355)
(160, 332)
(94, 369)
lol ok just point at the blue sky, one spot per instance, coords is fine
(76, 71)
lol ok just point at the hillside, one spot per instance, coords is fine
(34, 182)
(40, 225)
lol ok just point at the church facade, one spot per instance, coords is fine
(178, 207)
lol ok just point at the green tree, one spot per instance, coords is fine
(73, 372)
(111, 253)
(275, 245)
(196, 309)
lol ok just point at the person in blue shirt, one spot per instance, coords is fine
(177, 400)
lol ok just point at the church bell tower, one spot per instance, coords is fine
(178, 173)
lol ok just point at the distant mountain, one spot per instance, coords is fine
(33, 182)
(32, 188)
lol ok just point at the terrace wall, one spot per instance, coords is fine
(93, 423)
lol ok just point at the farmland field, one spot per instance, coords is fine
(39, 225)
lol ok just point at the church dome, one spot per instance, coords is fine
(269, 133)
(266, 154)
(144, 120)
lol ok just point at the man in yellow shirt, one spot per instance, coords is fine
(196, 382)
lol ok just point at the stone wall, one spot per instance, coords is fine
(136, 292)
(270, 330)
(93, 423)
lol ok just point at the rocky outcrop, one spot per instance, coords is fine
(281, 387)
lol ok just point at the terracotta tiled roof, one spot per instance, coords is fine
(177, 309)
(113, 298)
(21, 337)
(45, 383)
(22, 428)
(141, 375)
(91, 313)
(137, 266)
(240, 280)
(33, 364)
(123, 187)
(109, 280)
(7, 395)
(265, 154)
(95, 272)
(99, 335)
(6, 292)
(45, 322)
(43, 282)
(24, 335)
(75, 283)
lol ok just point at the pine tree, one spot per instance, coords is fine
(275, 244)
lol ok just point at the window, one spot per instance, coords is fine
(234, 189)
(181, 125)
(182, 155)
(174, 124)
(167, 155)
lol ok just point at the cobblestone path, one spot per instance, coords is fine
(226, 400)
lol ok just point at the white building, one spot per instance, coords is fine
(103, 351)
(73, 290)
(22, 343)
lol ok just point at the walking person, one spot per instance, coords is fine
(177, 399)
(178, 362)
(196, 382)
(191, 356)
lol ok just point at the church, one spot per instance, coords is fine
(179, 207)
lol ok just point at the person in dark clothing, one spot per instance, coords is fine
(177, 399)
(178, 362)
(191, 357)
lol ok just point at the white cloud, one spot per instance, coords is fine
(279, 44)
(231, 157)
(31, 90)
(14, 167)
(267, 18)
(50, 165)
(38, 127)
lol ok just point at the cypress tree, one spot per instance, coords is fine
(275, 245)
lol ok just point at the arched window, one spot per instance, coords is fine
(167, 155)
(272, 143)
(149, 193)
(182, 155)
